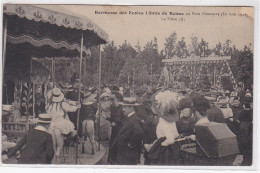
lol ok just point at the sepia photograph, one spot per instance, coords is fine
(127, 85)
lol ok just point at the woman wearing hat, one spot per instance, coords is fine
(186, 122)
(164, 151)
(38, 144)
(223, 104)
(60, 125)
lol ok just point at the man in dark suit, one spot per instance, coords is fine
(150, 124)
(38, 144)
(116, 120)
(128, 142)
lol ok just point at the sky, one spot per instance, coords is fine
(213, 28)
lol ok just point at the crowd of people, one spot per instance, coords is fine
(146, 122)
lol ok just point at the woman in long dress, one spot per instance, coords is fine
(60, 125)
(164, 151)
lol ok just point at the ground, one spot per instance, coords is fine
(103, 161)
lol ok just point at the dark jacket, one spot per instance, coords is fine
(150, 125)
(128, 142)
(117, 117)
(38, 148)
(236, 111)
(73, 96)
(87, 112)
(186, 126)
(150, 136)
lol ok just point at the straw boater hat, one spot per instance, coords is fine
(89, 99)
(129, 101)
(44, 118)
(227, 92)
(55, 95)
(222, 101)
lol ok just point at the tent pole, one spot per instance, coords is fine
(99, 94)
(80, 71)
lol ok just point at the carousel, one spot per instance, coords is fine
(31, 33)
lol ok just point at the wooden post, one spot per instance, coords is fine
(99, 94)
(214, 74)
(128, 81)
(80, 69)
(151, 74)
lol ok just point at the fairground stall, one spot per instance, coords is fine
(195, 69)
(29, 32)
(215, 144)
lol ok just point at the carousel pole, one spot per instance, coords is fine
(99, 94)
(80, 69)
(54, 71)
(4, 54)
(4, 44)
(33, 88)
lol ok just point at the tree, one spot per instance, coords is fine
(227, 49)
(138, 47)
(241, 65)
(203, 48)
(109, 65)
(181, 48)
(194, 49)
(151, 56)
(134, 73)
(170, 45)
(218, 50)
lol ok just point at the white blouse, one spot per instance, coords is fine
(58, 110)
(168, 130)
(227, 112)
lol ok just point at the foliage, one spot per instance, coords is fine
(170, 44)
(128, 65)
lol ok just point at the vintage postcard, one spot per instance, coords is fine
(127, 85)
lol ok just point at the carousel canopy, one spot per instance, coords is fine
(32, 31)
(44, 27)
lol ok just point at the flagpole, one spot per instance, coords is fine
(80, 69)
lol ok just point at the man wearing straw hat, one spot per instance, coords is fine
(128, 142)
(38, 144)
